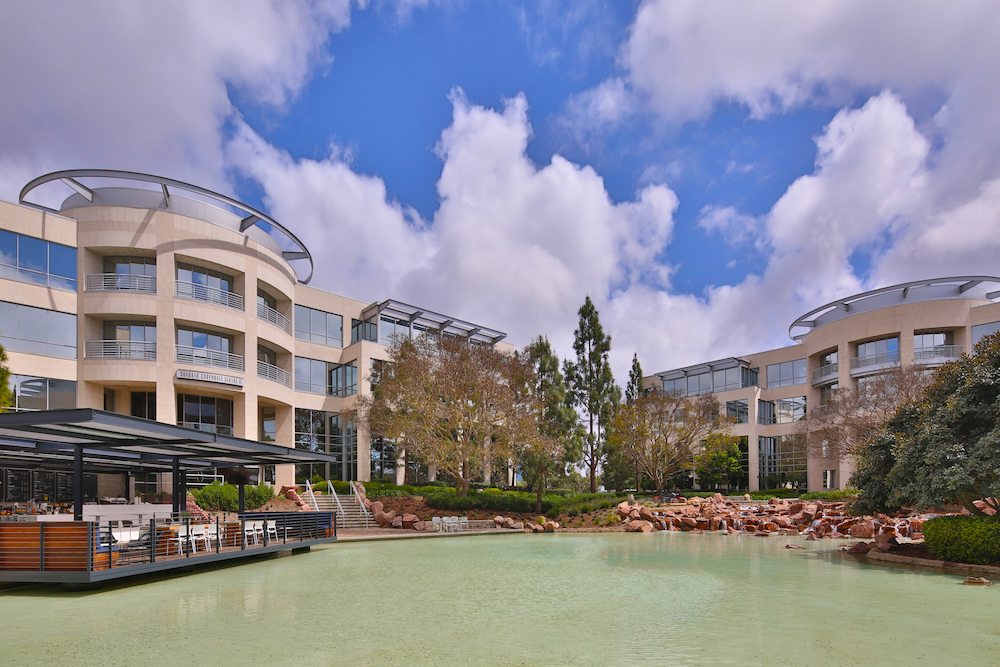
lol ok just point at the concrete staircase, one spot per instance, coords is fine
(354, 516)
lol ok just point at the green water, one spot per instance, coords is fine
(585, 599)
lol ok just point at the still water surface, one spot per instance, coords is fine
(571, 599)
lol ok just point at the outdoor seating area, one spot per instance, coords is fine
(457, 524)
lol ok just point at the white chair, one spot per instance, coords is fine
(463, 523)
(199, 535)
(180, 538)
(212, 536)
(436, 522)
(272, 530)
(249, 533)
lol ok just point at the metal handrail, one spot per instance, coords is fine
(340, 507)
(121, 282)
(268, 314)
(200, 356)
(272, 372)
(357, 499)
(121, 349)
(825, 371)
(937, 351)
(312, 495)
(196, 292)
(875, 360)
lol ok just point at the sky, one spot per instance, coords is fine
(705, 171)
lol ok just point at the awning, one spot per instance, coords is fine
(111, 442)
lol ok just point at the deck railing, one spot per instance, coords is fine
(121, 349)
(268, 314)
(121, 282)
(273, 373)
(196, 292)
(200, 356)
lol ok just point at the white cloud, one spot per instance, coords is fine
(146, 86)
(734, 227)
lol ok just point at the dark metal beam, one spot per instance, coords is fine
(78, 484)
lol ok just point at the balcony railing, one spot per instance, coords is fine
(269, 314)
(196, 292)
(937, 352)
(121, 349)
(273, 373)
(120, 282)
(875, 360)
(825, 371)
(200, 356)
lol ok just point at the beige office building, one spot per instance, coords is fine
(166, 301)
(929, 322)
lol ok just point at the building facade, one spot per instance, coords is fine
(837, 345)
(166, 301)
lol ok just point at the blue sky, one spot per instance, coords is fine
(704, 175)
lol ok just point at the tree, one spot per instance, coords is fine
(846, 423)
(663, 432)
(456, 404)
(6, 398)
(546, 457)
(592, 384)
(719, 463)
(634, 389)
(944, 445)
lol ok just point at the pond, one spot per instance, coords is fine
(567, 599)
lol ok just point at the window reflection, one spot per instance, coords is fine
(30, 260)
(37, 331)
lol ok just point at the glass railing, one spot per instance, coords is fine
(273, 373)
(196, 292)
(121, 349)
(937, 352)
(121, 282)
(875, 360)
(825, 371)
(200, 356)
(269, 314)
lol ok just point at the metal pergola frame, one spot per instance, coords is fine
(431, 321)
(85, 439)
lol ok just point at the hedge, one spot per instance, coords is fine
(964, 539)
(841, 494)
(226, 497)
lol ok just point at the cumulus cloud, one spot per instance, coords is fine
(146, 86)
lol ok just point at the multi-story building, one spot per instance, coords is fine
(840, 344)
(185, 306)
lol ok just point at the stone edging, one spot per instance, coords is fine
(878, 555)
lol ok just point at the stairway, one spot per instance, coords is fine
(353, 517)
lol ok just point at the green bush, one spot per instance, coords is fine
(572, 511)
(226, 497)
(964, 539)
(604, 505)
(586, 509)
(552, 513)
(839, 494)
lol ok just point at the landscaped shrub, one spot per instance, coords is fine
(586, 509)
(964, 539)
(604, 505)
(838, 494)
(226, 497)
(608, 520)
(572, 511)
(552, 513)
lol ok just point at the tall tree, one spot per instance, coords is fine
(634, 389)
(665, 432)
(456, 404)
(560, 441)
(6, 398)
(592, 384)
(719, 462)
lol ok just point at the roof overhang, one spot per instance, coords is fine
(428, 320)
(707, 367)
(111, 442)
(252, 217)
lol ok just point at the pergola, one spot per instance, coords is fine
(91, 440)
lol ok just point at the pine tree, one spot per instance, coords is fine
(592, 385)
(634, 389)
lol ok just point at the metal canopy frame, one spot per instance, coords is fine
(110, 442)
(962, 285)
(252, 216)
(422, 318)
(706, 367)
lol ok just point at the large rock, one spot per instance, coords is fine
(518, 525)
(383, 519)
(508, 522)
(397, 522)
(639, 526)
(550, 526)
(646, 514)
(368, 504)
(691, 522)
(623, 509)
(795, 508)
(391, 514)
(377, 506)
(420, 525)
(863, 529)
(410, 520)
(634, 513)
(746, 496)
(535, 528)
(859, 548)
(886, 542)
(718, 498)
(499, 521)
(782, 521)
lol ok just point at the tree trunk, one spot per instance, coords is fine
(465, 479)
(406, 466)
(538, 500)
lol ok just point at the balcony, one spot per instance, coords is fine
(121, 282)
(121, 349)
(938, 354)
(828, 373)
(873, 363)
(196, 292)
(199, 356)
(273, 373)
(268, 314)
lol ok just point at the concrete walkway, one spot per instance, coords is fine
(372, 534)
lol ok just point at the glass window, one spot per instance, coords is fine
(37, 331)
(928, 341)
(885, 350)
(32, 254)
(828, 359)
(35, 393)
(827, 393)
(981, 330)
(786, 374)
(765, 412)
(204, 340)
(267, 355)
(268, 425)
(738, 410)
(144, 404)
(679, 386)
(363, 331)
(30, 260)
(8, 248)
(318, 326)
(782, 462)
(200, 276)
(62, 261)
(310, 375)
(749, 377)
(205, 413)
(788, 410)
(829, 479)
(265, 299)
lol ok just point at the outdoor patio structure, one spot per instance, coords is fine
(67, 549)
